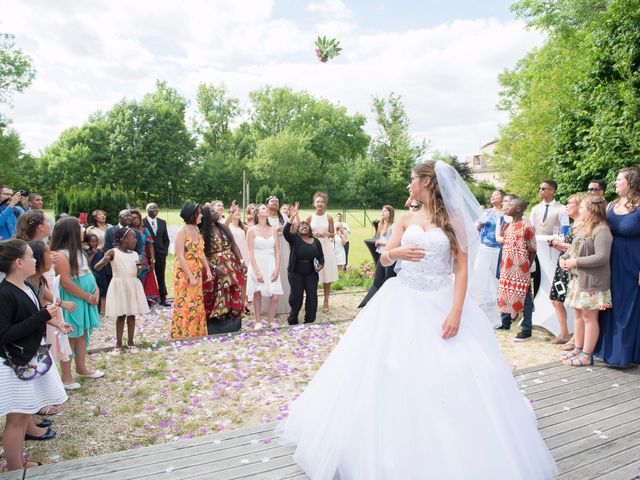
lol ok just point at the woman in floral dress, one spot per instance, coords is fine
(188, 307)
(223, 294)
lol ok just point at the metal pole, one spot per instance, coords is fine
(244, 191)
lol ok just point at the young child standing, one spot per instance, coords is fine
(125, 297)
(518, 254)
(589, 285)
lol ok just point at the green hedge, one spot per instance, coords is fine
(75, 202)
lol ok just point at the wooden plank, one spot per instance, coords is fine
(581, 406)
(594, 441)
(227, 439)
(622, 465)
(254, 469)
(604, 454)
(13, 475)
(600, 420)
(154, 463)
(549, 388)
(567, 393)
(630, 471)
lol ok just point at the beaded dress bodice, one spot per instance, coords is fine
(433, 272)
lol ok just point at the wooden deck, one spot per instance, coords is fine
(589, 417)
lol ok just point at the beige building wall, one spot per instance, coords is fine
(479, 164)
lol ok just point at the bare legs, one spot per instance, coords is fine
(79, 348)
(131, 330)
(586, 335)
(326, 287)
(561, 315)
(15, 429)
(271, 312)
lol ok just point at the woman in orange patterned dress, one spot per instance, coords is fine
(189, 318)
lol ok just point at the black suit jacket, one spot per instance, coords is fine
(110, 234)
(160, 238)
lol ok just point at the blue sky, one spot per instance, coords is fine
(441, 57)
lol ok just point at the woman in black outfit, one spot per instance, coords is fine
(305, 261)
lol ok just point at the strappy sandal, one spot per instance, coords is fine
(50, 410)
(573, 353)
(577, 361)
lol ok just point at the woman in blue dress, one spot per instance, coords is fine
(619, 343)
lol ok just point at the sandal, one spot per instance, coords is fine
(568, 346)
(560, 340)
(132, 349)
(578, 360)
(50, 410)
(34, 464)
(573, 353)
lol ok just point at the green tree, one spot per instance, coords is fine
(393, 150)
(16, 69)
(573, 103)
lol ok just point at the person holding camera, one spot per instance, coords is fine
(305, 261)
(9, 211)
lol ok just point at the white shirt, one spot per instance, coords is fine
(537, 213)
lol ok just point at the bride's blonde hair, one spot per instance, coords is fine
(435, 202)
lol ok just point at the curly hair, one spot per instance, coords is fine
(436, 203)
(596, 215)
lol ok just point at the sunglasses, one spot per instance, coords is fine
(593, 189)
(414, 207)
(544, 188)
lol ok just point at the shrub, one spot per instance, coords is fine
(77, 201)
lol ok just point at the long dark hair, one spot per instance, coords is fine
(39, 248)
(66, 235)
(206, 229)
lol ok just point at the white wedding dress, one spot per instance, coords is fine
(396, 401)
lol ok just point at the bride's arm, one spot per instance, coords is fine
(451, 322)
(393, 251)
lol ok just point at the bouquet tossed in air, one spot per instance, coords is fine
(326, 49)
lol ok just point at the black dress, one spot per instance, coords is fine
(561, 277)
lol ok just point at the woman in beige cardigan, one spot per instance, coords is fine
(589, 284)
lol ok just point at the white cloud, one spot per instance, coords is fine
(91, 54)
(335, 9)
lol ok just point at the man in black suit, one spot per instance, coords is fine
(158, 229)
(124, 220)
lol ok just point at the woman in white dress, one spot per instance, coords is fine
(417, 387)
(263, 249)
(278, 220)
(322, 226)
(340, 241)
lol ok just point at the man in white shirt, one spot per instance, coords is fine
(549, 213)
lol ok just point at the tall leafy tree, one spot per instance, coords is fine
(393, 150)
(16, 69)
(573, 102)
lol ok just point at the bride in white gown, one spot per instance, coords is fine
(417, 388)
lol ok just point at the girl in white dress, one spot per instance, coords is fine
(322, 227)
(417, 388)
(263, 249)
(125, 296)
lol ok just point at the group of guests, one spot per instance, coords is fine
(597, 274)
(269, 261)
(76, 272)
